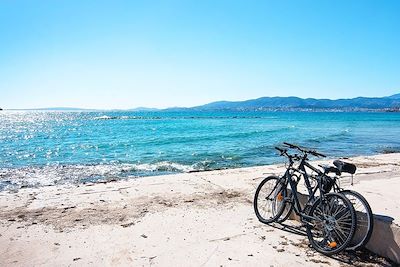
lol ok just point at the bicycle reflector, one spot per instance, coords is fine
(279, 196)
(332, 244)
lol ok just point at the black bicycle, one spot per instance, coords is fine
(365, 219)
(329, 218)
(364, 215)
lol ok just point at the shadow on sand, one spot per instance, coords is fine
(362, 257)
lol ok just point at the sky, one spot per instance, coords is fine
(126, 54)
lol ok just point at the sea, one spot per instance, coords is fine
(42, 148)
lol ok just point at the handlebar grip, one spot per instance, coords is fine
(289, 145)
(318, 154)
(279, 149)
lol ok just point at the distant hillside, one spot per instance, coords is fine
(388, 103)
(143, 109)
(287, 103)
(396, 96)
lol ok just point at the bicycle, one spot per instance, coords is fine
(365, 219)
(364, 215)
(330, 218)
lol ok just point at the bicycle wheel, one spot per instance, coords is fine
(269, 199)
(289, 202)
(365, 219)
(288, 208)
(333, 224)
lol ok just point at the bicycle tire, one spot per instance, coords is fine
(336, 220)
(288, 208)
(365, 220)
(275, 213)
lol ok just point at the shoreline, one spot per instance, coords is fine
(16, 186)
(200, 218)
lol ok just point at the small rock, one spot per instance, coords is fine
(127, 224)
(144, 236)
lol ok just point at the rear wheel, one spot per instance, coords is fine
(333, 225)
(269, 199)
(365, 219)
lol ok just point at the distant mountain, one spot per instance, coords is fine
(396, 96)
(388, 103)
(290, 103)
(143, 109)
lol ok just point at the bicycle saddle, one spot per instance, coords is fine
(328, 169)
(345, 166)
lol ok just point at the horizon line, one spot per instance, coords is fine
(175, 107)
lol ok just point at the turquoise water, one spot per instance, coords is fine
(45, 148)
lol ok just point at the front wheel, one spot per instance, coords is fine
(287, 211)
(269, 199)
(333, 223)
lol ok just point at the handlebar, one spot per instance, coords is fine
(304, 150)
(284, 153)
(280, 149)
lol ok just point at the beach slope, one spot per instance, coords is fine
(196, 219)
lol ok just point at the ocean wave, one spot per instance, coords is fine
(15, 178)
(219, 137)
(163, 166)
(105, 117)
(329, 137)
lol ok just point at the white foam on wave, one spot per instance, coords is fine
(15, 178)
(164, 166)
(105, 117)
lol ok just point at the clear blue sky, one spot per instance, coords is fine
(123, 54)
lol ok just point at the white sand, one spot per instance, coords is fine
(194, 219)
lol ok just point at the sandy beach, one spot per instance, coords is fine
(190, 219)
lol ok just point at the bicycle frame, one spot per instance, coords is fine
(287, 178)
